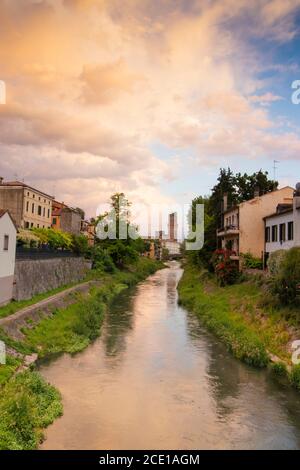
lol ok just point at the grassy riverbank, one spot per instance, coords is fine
(27, 403)
(252, 331)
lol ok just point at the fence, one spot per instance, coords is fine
(42, 253)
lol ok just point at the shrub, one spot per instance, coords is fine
(80, 244)
(275, 261)
(287, 283)
(27, 404)
(226, 269)
(250, 262)
(101, 260)
(295, 376)
(279, 369)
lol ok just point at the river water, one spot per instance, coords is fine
(156, 379)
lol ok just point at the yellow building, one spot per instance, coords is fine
(29, 207)
(243, 227)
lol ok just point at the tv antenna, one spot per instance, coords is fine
(275, 168)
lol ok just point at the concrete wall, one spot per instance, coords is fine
(7, 258)
(36, 276)
(252, 226)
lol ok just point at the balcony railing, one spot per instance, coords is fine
(228, 228)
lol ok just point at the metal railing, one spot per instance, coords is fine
(23, 253)
(228, 227)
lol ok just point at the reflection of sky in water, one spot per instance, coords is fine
(157, 379)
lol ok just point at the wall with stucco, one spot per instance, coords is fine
(7, 258)
(252, 213)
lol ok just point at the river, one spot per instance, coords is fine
(156, 379)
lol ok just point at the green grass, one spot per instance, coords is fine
(213, 305)
(242, 315)
(14, 306)
(27, 405)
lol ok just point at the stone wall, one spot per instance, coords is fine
(37, 276)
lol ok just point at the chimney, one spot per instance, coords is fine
(1, 179)
(256, 191)
(225, 202)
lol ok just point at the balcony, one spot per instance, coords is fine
(228, 230)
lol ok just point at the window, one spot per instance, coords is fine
(48, 213)
(32, 208)
(27, 206)
(33, 196)
(6, 242)
(44, 212)
(282, 233)
(31, 225)
(39, 210)
(268, 234)
(274, 233)
(291, 231)
(26, 224)
(54, 221)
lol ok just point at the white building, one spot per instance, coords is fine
(8, 235)
(282, 229)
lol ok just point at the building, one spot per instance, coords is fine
(89, 230)
(8, 235)
(282, 228)
(173, 227)
(29, 207)
(243, 227)
(66, 218)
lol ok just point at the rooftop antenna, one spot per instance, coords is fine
(275, 168)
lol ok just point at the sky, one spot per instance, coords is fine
(148, 97)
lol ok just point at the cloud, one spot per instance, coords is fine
(91, 85)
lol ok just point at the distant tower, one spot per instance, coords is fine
(173, 226)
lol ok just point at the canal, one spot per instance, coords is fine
(156, 379)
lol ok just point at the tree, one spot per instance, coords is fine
(248, 184)
(238, 188)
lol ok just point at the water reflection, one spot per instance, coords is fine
(157, 379)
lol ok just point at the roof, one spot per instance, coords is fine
(24, 185)
(5, 211)
(281, 209)
(269, 193)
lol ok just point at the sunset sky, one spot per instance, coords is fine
(149, 97)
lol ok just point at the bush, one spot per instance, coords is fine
(226, 269)
(295, 376)
(279, 369)
(250, 262)
(275, 261)
(287, 283)
(56, 239)
(101, 260)
(27, 404)
(80, 244)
